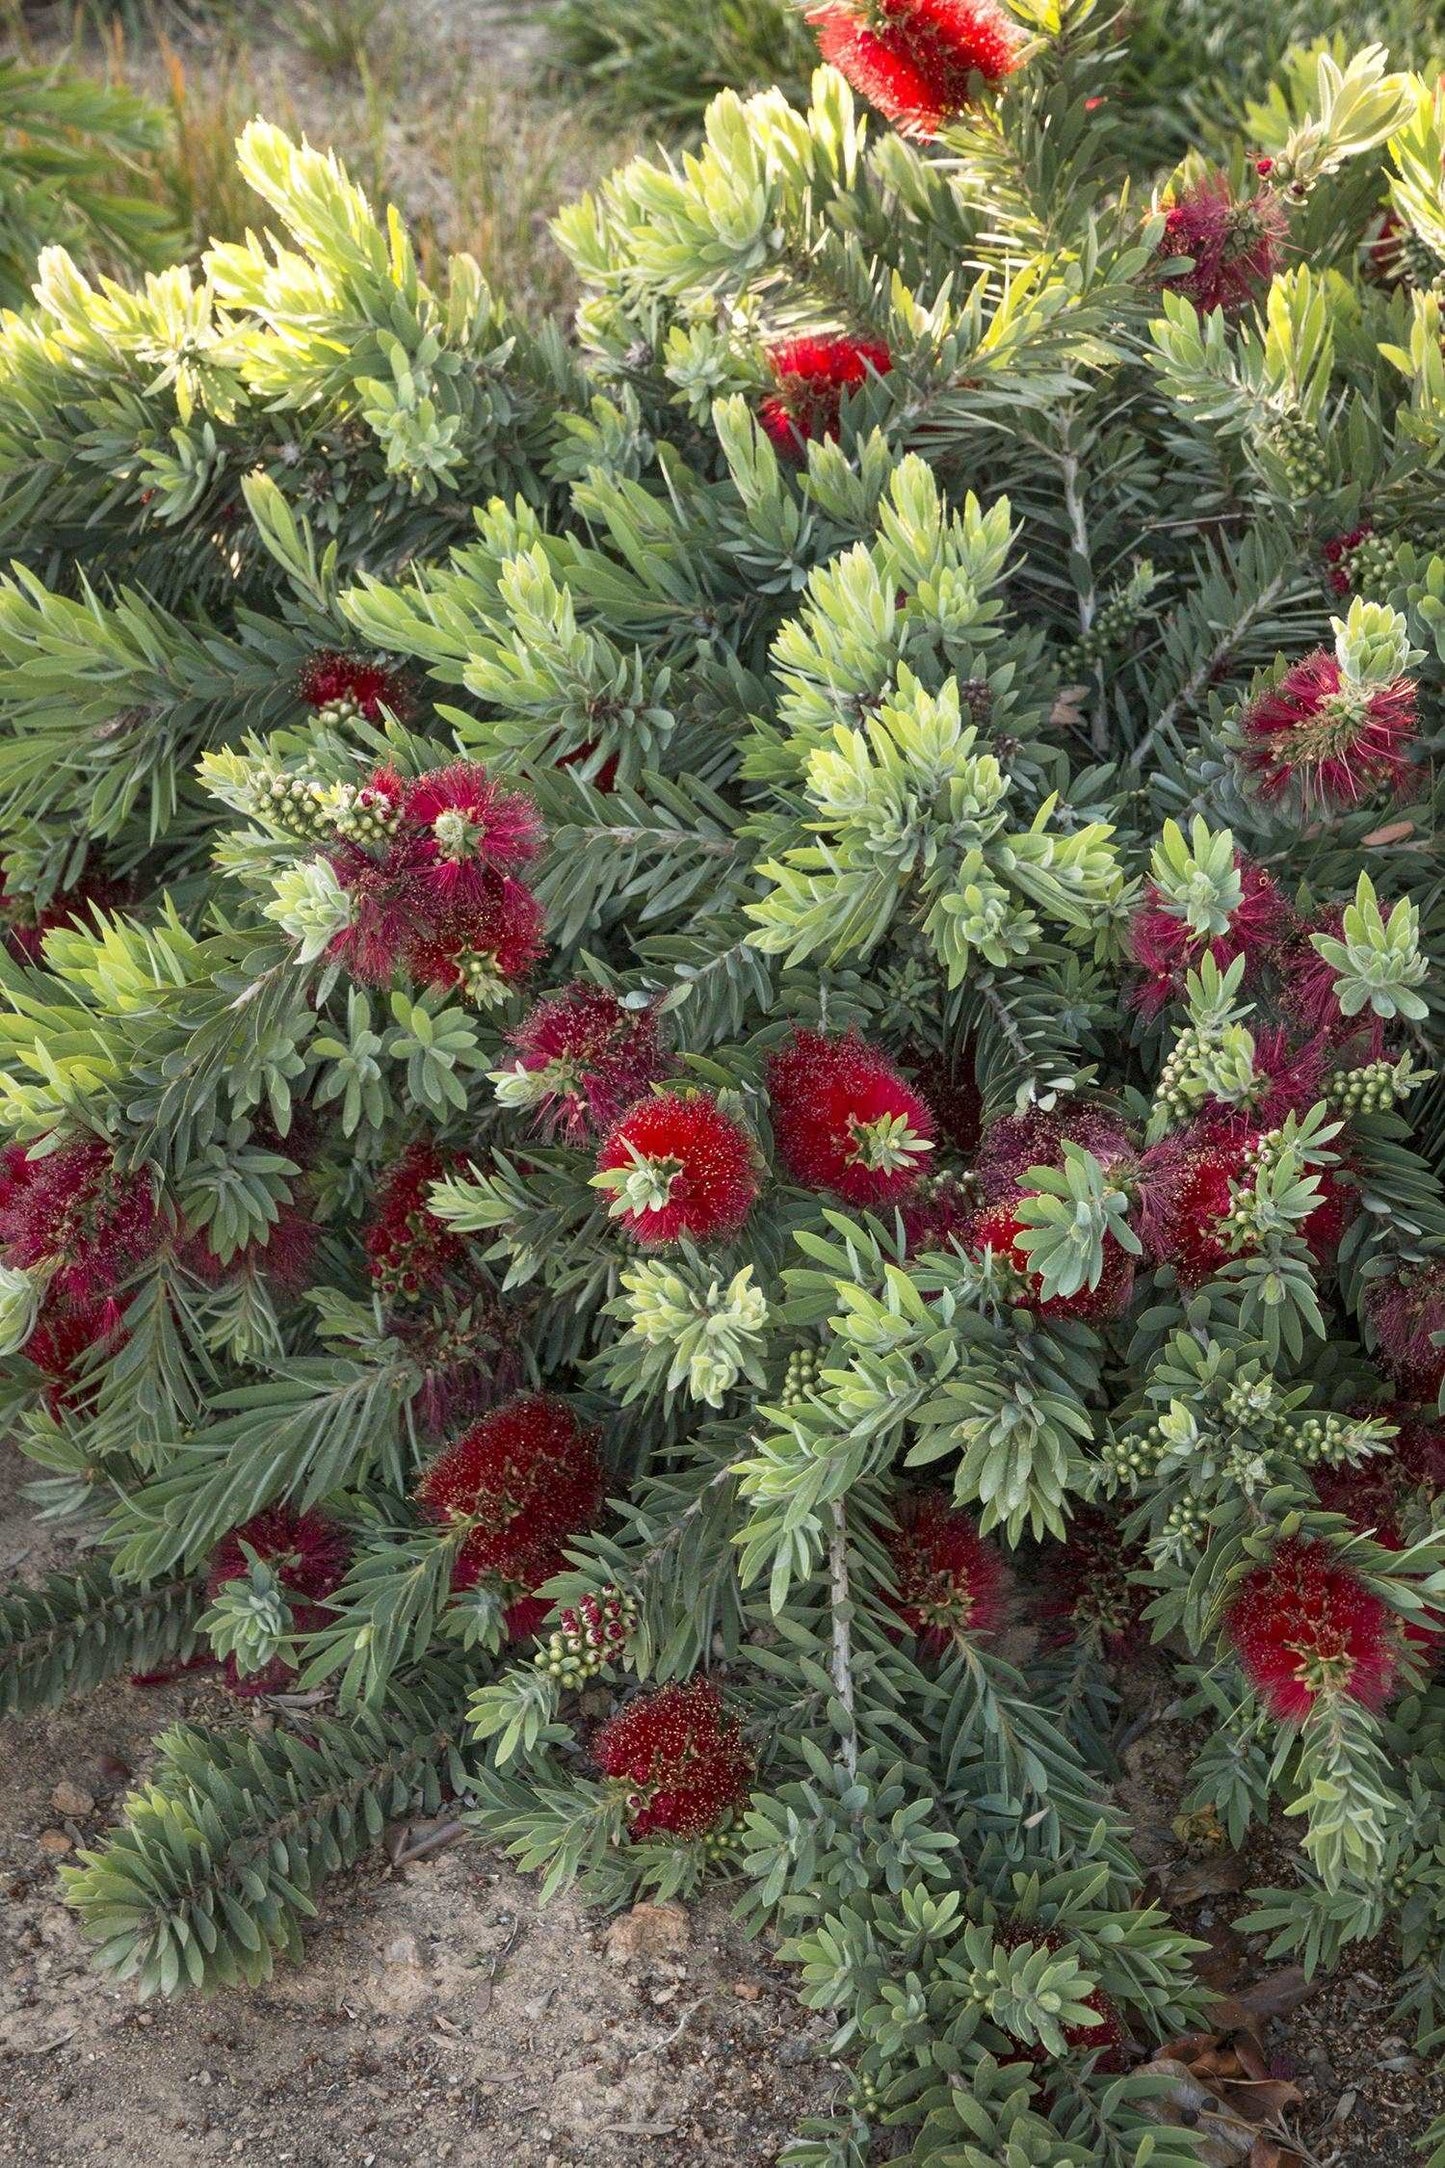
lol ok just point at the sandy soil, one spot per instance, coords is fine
(441, 2016)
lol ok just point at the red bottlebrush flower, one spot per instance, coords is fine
(691, 1169)
(1234, 248)
(467, 1361)
(999, 1229)
(1307, 993)
(1165, 949)
(465, 826)
(400, 921)
(65, 1335)
(1419, 1449)
(683, 1760)
(74, 1208)
(309, 1552)
(951, 1091)
(410, 1251)
(328, 679)
(1108, 2039)
(1185, 1200)
(812, 375)
(1405, 1312)
(918, 61)
(496, 936)
(589, 1057)
(949, 1580)
(1289, 1078)
(1336, 554)
(528, 1476)
(1304, 1624)
(1368, 1496)
(284, 1259)
(310, 1555)
(1329, 741)
(1086, 1586)
(1037, 1139)
(845, 1120)
(606, 777)
(938, 1214)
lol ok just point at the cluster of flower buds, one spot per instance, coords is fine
(1299, 452)
(298, 804)
(1367, 1090)
(1131, 1456)
(1184, 1526)
(1321, 1439)
(588, 1636)
(1361, 563)
(1115, 619)
(801, 1376)
(363, 814)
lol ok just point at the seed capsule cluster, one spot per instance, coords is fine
(587, 1637)
(801, 1376)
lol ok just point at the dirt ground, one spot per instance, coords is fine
(442, 2016)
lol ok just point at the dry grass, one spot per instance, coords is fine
(435, 111)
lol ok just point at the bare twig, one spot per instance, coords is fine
(842, 1666)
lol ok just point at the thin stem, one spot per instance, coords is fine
(1203, 671)
(842, 1665)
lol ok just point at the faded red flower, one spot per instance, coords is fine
(590, 1056)
(73, 1208)
(918, 61)
(684, 1761)
(949, 1580)
(1234, 247)
(527, 1477)
(1085, 1586)
(938, 1214)
(1016, 1142)
(1330, 742)
(408, 1249)
(844, 1119)
(1405, 1313)
(1305, 1625)
(692, 1169)
(812, 375)
(1166, 950)
(999, 1229)
(951, 1090)
(309, 1553)
(25, 927)
(1108, 2040)
(329, 679)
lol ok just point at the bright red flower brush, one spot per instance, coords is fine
(949, 1580)
(683, 1760)
(464, 826)
(309, 1554)
(1304, 1625)
(1234, 247)
(328, 679)
(1166, 949)
(528, 1476)
(1329, 741)
(812, 375)
(410, 1251)
(584, 1057)
(478, 943)
(844, 1119)
(1405, 1312)
(918, 61)
(678, 1165)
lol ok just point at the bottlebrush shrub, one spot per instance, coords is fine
(851, 1036)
